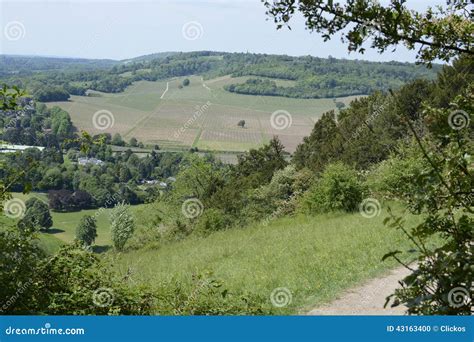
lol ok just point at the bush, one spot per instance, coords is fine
(36, 217)
(212, 220)
(338, 189)
(206, 295)
(393, 178)
(72, 282)
(86, 231)
(122, 225)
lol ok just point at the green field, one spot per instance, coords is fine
(154, 115)
(64, 224)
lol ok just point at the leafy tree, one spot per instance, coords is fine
(441, 283)
(117, 140)
(186, 82)
(340, 105)
(36, 216)
(241, 123)
(122, 225)
(442, 33)
(86, 231)
(133, 142)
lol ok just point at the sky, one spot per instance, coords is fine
(126, 29)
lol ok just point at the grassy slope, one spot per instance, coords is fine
(314, 257)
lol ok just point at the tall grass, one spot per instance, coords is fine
(315, 258)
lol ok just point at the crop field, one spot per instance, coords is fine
(201, 115)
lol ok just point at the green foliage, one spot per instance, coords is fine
(442, 33)
(9, 97)
(71, 282)
(279, 197)
(207, 296)
(443, 193)
(51, 94)
(36, 217)
(186, 82)
(212, 220)
(117, 140)
(122, 225)
(86, 231)
(18, 257)
(392, 178)
(366, 132)
(338, 188)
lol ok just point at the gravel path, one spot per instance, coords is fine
(367, 299)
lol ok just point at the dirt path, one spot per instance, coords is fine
(166, 90)
(367, 299)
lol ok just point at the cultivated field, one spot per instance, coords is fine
(201, 115)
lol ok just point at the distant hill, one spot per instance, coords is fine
(267, 75)
(14, 64)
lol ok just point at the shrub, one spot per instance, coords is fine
(86, 231)
(393, 178)
(338, 189)
(73, 281)
(36, 217)
(122, 225)
(212, 220)
(206, 295)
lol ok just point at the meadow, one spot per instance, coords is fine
(201, 115)
(65, 223)
(314, 257)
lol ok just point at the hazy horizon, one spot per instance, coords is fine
(121, 30)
